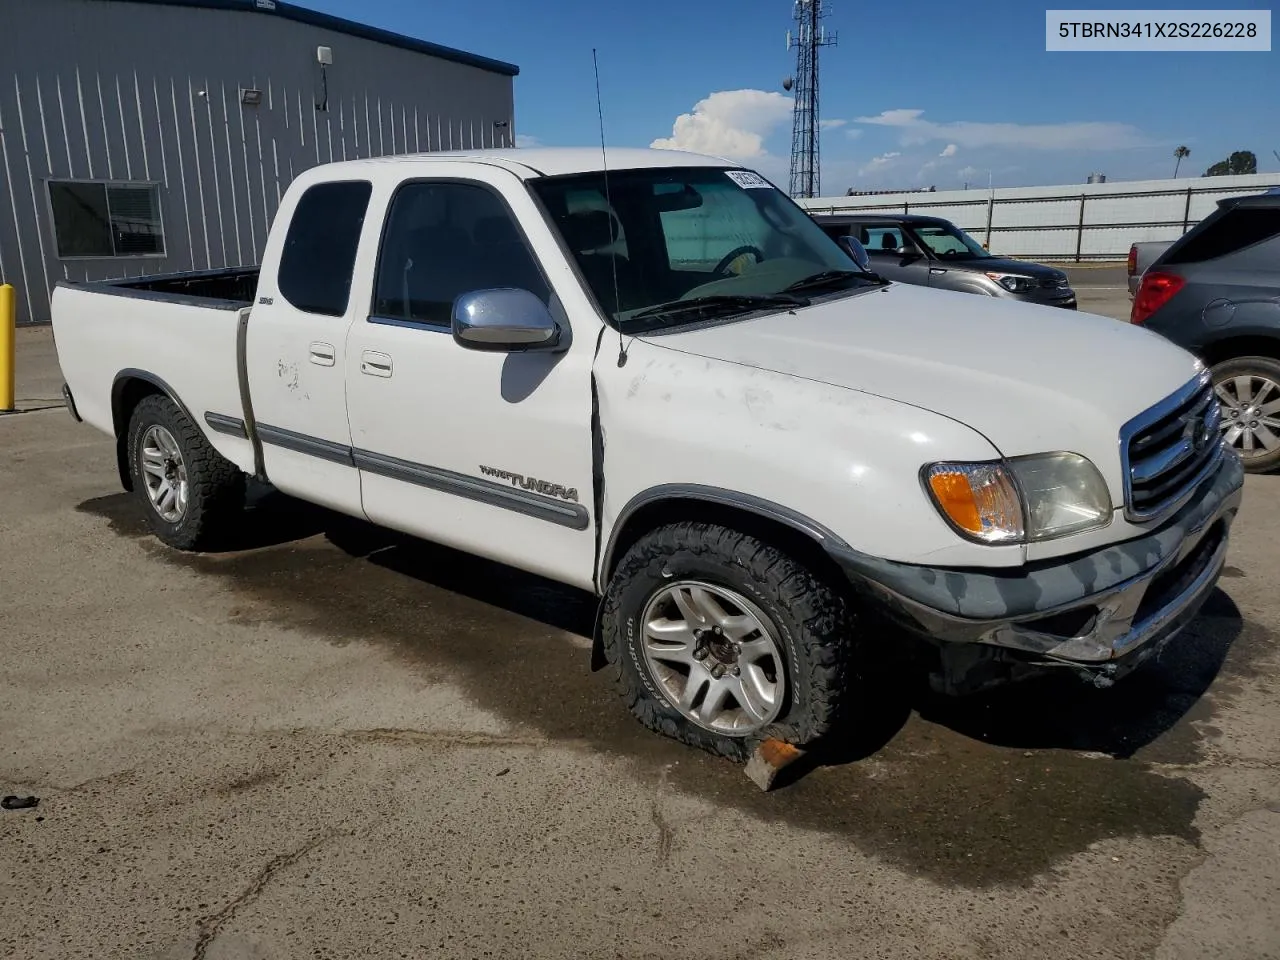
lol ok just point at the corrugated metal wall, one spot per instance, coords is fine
(130, 92)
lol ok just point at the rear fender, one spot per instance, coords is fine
(129, 389)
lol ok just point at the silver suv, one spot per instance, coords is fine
(932, 252)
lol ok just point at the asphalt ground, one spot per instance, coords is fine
(338, 742)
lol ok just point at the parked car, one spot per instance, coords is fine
(1216, 292)
(932, 252)
(673, 389)
(1141, 256)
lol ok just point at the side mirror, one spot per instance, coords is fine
(854, 248)
(504, 319)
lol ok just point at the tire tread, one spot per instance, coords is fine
(216, 486)
(824, 624)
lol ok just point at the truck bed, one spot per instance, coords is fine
(181, 333)
(226, 288)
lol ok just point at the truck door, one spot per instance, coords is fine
(487, 452)
(296, 346)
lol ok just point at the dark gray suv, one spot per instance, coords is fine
(1216, 292)
(932, 252)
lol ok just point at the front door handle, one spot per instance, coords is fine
(936, 270)
(323, 354)
(375, 364)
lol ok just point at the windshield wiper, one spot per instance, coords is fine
(831, 278)
(719, 303)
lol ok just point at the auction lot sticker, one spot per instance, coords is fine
(1158, 31)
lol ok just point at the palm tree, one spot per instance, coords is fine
(1179, 155)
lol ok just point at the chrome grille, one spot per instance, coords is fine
(1054, 283)
(1169, 449)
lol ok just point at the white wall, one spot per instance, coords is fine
(1045, 222)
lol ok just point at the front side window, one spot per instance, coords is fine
(949, 242)
(446, 239)
(93, 219)
(320, 247)
(654, 243)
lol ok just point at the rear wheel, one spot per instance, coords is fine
(190, 493)
(720, 640)
(1248, 390)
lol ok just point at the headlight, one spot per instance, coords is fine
(1020, 500)
(1014, 282)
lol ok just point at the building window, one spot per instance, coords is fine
(106, 219)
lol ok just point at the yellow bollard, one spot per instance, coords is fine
(8, 320)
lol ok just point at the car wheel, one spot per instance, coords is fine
(1248, 390)
(720, 640)
(191, 495)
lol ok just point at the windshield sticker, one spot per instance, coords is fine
(748, 179)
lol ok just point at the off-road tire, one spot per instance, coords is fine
(1267, 367)
(216, 487)
(815, 626)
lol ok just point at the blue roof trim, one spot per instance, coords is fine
(314, 18)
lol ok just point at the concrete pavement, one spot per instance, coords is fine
(338, 742)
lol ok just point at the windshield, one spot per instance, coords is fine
(668, 240)
(949, 242)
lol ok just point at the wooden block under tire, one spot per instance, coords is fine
(769, 759)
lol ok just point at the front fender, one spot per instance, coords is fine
(846, 461)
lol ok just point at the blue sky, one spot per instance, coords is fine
(956, 92)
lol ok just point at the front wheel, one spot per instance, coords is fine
(1248, 390)
(191, 495)
(720, 640)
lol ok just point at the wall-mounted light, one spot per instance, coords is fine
(324, 57)
(250, 97)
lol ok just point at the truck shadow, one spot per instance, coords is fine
(1056, 712)
(988, 790)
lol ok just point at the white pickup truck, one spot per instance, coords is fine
(666, 385)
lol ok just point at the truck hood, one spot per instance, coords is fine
(1030, 378)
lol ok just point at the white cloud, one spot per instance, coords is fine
(1085, 135)
(893, 118)
(831, 124)
(729, 123)
(949, 150)
(524, 140)
(853, 133)
(879, 163)
(964, 172)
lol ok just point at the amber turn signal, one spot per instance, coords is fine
(979, 499)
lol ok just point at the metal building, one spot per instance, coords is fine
(153, 136)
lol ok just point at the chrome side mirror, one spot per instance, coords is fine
(854, 248)
(504, 319)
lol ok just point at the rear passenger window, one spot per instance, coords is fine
(1235, 230)
(320, 247)
(881, 239)
(443, 240)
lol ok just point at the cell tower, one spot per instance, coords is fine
(809, 36)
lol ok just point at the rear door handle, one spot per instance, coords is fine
(375, 364)
(323, 354)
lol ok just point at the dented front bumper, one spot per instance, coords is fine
(1100, 613)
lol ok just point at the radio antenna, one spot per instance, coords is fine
(613, 254)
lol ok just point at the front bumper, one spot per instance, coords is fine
(1101, 613)
(1065, 298)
